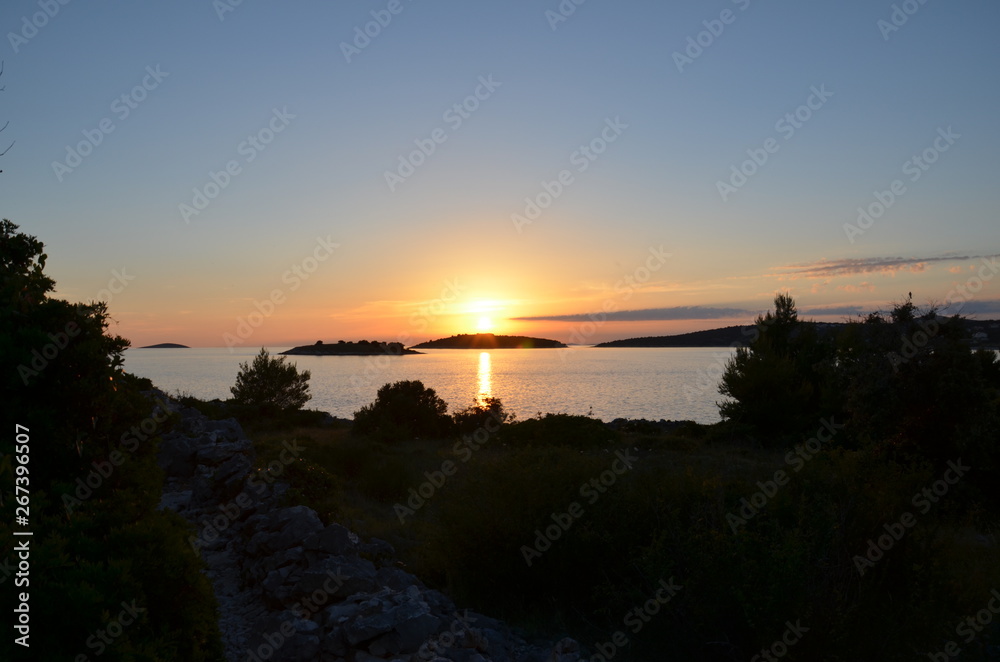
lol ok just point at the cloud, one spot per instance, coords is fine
(647, 315)
(848, 311)
(866, 265)
(860, 287)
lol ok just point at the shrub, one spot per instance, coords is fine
(402, 410)
(480, 415)
(271, 385)
(777, 384)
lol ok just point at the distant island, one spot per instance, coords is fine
(723, 337)
(165, 345)
(343, 348)
(490, 341)
(985, 334)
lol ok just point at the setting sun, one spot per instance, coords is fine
(484, 325)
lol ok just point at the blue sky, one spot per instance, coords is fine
(224, 76)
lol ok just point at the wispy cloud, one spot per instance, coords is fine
(866, 265)
(648, 314)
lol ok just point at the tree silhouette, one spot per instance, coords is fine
(270, 385)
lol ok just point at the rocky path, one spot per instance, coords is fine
(290, 588)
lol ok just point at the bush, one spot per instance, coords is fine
(777, 385)
(270, 385)
(402, 410)
(480, 415)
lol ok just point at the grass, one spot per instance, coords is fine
(666, 517)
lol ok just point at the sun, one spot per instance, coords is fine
(484, 325)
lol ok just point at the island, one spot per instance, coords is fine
(165, 345)
(343, 348)
(984, 334)
(490, 341)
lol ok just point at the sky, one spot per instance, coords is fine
(259, 173)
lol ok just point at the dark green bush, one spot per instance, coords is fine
(270, 386)
(489, 415)
(404, 410)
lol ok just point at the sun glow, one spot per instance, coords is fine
(482, 313)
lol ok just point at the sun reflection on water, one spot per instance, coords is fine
(484, 378)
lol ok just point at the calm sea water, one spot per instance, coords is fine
(670, 383)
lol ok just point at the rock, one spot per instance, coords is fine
(396, 579)
(176, 455)
(377, 549)
(333, 540)
(292, 526)
(565, 650)
(227, 429)
(290, 588)
(338, 578)
(369, 627)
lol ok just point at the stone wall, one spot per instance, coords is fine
(290, 588)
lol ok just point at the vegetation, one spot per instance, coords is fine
(702, 505)
(811, 503)
(270, 386)
(92, 483)
(906, 385)
(403, 410)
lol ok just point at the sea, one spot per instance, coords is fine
(606, 383)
